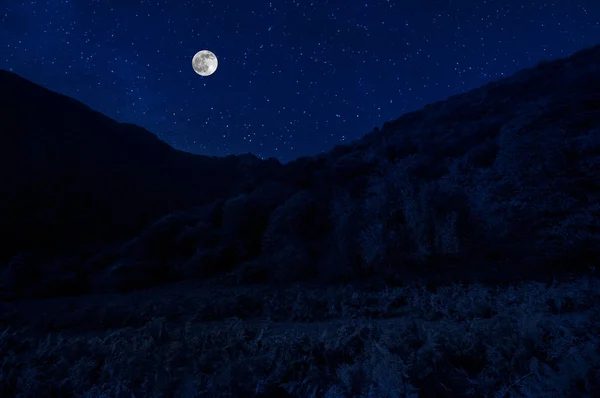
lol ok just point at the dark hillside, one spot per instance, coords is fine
(70, 175)
(498, 184)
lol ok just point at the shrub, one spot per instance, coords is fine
(245, 217)
(209, 262)
(483, 155)
(158, 241)
(408, 222)
(291, 242)
(342, 259)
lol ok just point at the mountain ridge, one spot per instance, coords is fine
(57, 147)
(500, 183)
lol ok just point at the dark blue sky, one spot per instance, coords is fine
(295, 78)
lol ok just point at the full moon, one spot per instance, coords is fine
(205, 63)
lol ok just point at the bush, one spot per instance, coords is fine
(209, 262)
(158, 241)
(483, 155)
(245, 217)
(408, 223)
(291, 242)
(342, 259)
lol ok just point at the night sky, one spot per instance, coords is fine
(294, 78)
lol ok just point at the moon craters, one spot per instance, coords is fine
(205, 63)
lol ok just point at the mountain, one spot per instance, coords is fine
(497, 184)
(71, 175)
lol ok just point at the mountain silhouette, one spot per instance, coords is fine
(500, 183)
(71, 175)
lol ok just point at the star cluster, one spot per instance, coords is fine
(295, 77)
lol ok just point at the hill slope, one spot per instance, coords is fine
(497, 184)
(71, 175)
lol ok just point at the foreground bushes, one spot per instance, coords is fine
(530, 340)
